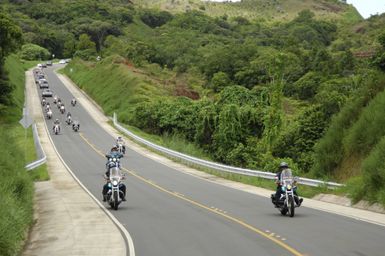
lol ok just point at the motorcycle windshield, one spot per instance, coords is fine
(115, 173)
(287, 176)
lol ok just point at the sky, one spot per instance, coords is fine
(368, 7)
(364, 7)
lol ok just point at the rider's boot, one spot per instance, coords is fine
(298, 201)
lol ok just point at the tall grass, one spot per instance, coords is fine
(349, 128)
(16, 149)
(16, 189)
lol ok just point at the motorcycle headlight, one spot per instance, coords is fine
(115, 182)
(114, 159)
(110, 159)
(288, 187)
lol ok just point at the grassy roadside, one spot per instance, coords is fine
(16, 150)
(24, 139)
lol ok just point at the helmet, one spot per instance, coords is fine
(57, 120)
(283, 165)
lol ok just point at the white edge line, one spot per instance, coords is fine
(109, 214)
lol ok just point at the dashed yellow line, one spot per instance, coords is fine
(215, 210)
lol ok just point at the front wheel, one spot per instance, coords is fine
(116, 200)
(291, 206)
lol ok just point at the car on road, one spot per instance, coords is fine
(62, 62)
(47, 93)
(39, 65)
(43, 65)
(43, 83)
(49, 63)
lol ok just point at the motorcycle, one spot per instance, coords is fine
(121, 148)
(287, 201)
(62, 109)
(114, 193)
(75, 126)
(43, 102)
(49, 114)
(69, 120)
(55, 99)
(56, 129)
(73, 102)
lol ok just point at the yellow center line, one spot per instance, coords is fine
(175, 194)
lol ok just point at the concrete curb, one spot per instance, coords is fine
(67, 222)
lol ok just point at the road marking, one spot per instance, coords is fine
(210, 209)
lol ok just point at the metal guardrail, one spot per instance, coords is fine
(39, 150)
(217, 166)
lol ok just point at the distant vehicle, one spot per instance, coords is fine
(39, 65)
(43, 65)
(49, 63)
(47, 93)
(67, 60)
(43, 83)
(62, 62)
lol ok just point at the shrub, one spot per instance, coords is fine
(34, 52)
(153, 18)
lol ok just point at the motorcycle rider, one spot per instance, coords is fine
(284, 166)
(122, 187)
(120, 140)
(56, 122)
(69, 117)
(75, 124)
(114, 153)
(73, 101)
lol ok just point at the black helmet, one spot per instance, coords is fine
(283, 165)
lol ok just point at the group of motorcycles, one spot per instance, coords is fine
(60, 105)
(114, 191)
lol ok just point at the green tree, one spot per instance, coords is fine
(153, 18)
(85, 43)
(34, 52)
(10, 40)
(219, 81)
(10, 36)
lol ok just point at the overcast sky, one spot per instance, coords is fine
(368, 7)
(365, 7)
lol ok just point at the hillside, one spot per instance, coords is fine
(276, 10)
(243, 89)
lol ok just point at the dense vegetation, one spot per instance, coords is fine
(16, 188)
(246, 89)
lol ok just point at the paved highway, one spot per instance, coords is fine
(171, 213)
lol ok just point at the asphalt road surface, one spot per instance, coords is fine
(169, 213)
